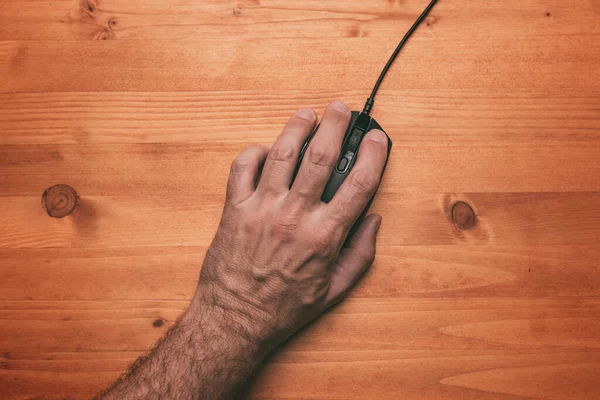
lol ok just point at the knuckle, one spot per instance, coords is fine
(323, 243)
(241, 164)
(234, 208)
(281, 152)
(362, 182)
(286, 227)
(329, 227)
(304, 193)
(323, 156)
(324, 239)
(368, 256)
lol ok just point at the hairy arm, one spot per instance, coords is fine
(277, 262)
(202, 357)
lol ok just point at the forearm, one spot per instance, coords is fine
(201, 357)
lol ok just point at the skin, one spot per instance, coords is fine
(277, 262)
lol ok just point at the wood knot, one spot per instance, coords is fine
(112, 23)
(60, 200)
(90, 5)
(237, 12)
(429, 21)
(354, 31)
(463, 216)
(158, 323)
(104, 34)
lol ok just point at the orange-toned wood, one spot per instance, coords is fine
(140, 106)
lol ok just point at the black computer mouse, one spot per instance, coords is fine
(360, 125)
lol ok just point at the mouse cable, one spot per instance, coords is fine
(371, 100)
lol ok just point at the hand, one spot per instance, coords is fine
(277, 260)
(276, 263)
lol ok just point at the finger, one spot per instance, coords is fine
(322, 154)
(354, 260)
(362, 182)
(283, 157)
(244, 172)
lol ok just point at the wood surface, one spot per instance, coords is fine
(140, 106)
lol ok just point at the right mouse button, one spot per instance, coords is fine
(342, 165)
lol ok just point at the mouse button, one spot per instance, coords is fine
(342, 165)
(363, 121)
(355, 139)
(374, 125)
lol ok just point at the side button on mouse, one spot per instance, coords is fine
(342, 165)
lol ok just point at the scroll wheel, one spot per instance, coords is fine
(355, 138)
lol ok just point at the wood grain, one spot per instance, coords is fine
(511, 116)
(139, 19)
(233, 65)
(138, 273)
(140, 106)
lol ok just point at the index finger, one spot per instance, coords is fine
(361, 184)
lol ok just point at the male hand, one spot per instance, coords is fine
(277, 260)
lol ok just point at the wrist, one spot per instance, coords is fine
(232, 319)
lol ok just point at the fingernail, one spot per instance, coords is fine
(377, 136)
(340, 106)
(307, 114)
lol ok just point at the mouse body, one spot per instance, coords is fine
(360, 124)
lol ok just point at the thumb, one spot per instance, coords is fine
(354, 259)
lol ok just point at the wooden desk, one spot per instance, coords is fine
(140, 106)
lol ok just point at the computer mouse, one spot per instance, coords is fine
(360, 125)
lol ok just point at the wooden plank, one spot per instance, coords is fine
(288, 64)
(145, 273)
(198, 170)
(140, 273)
(26, 370)
(561, 377)
(182, 19)
(422, 348)
(446, 323)
(191, 218)
(449, 375)
(256, 116)
(57, 326)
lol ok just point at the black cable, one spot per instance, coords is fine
(371, 100)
